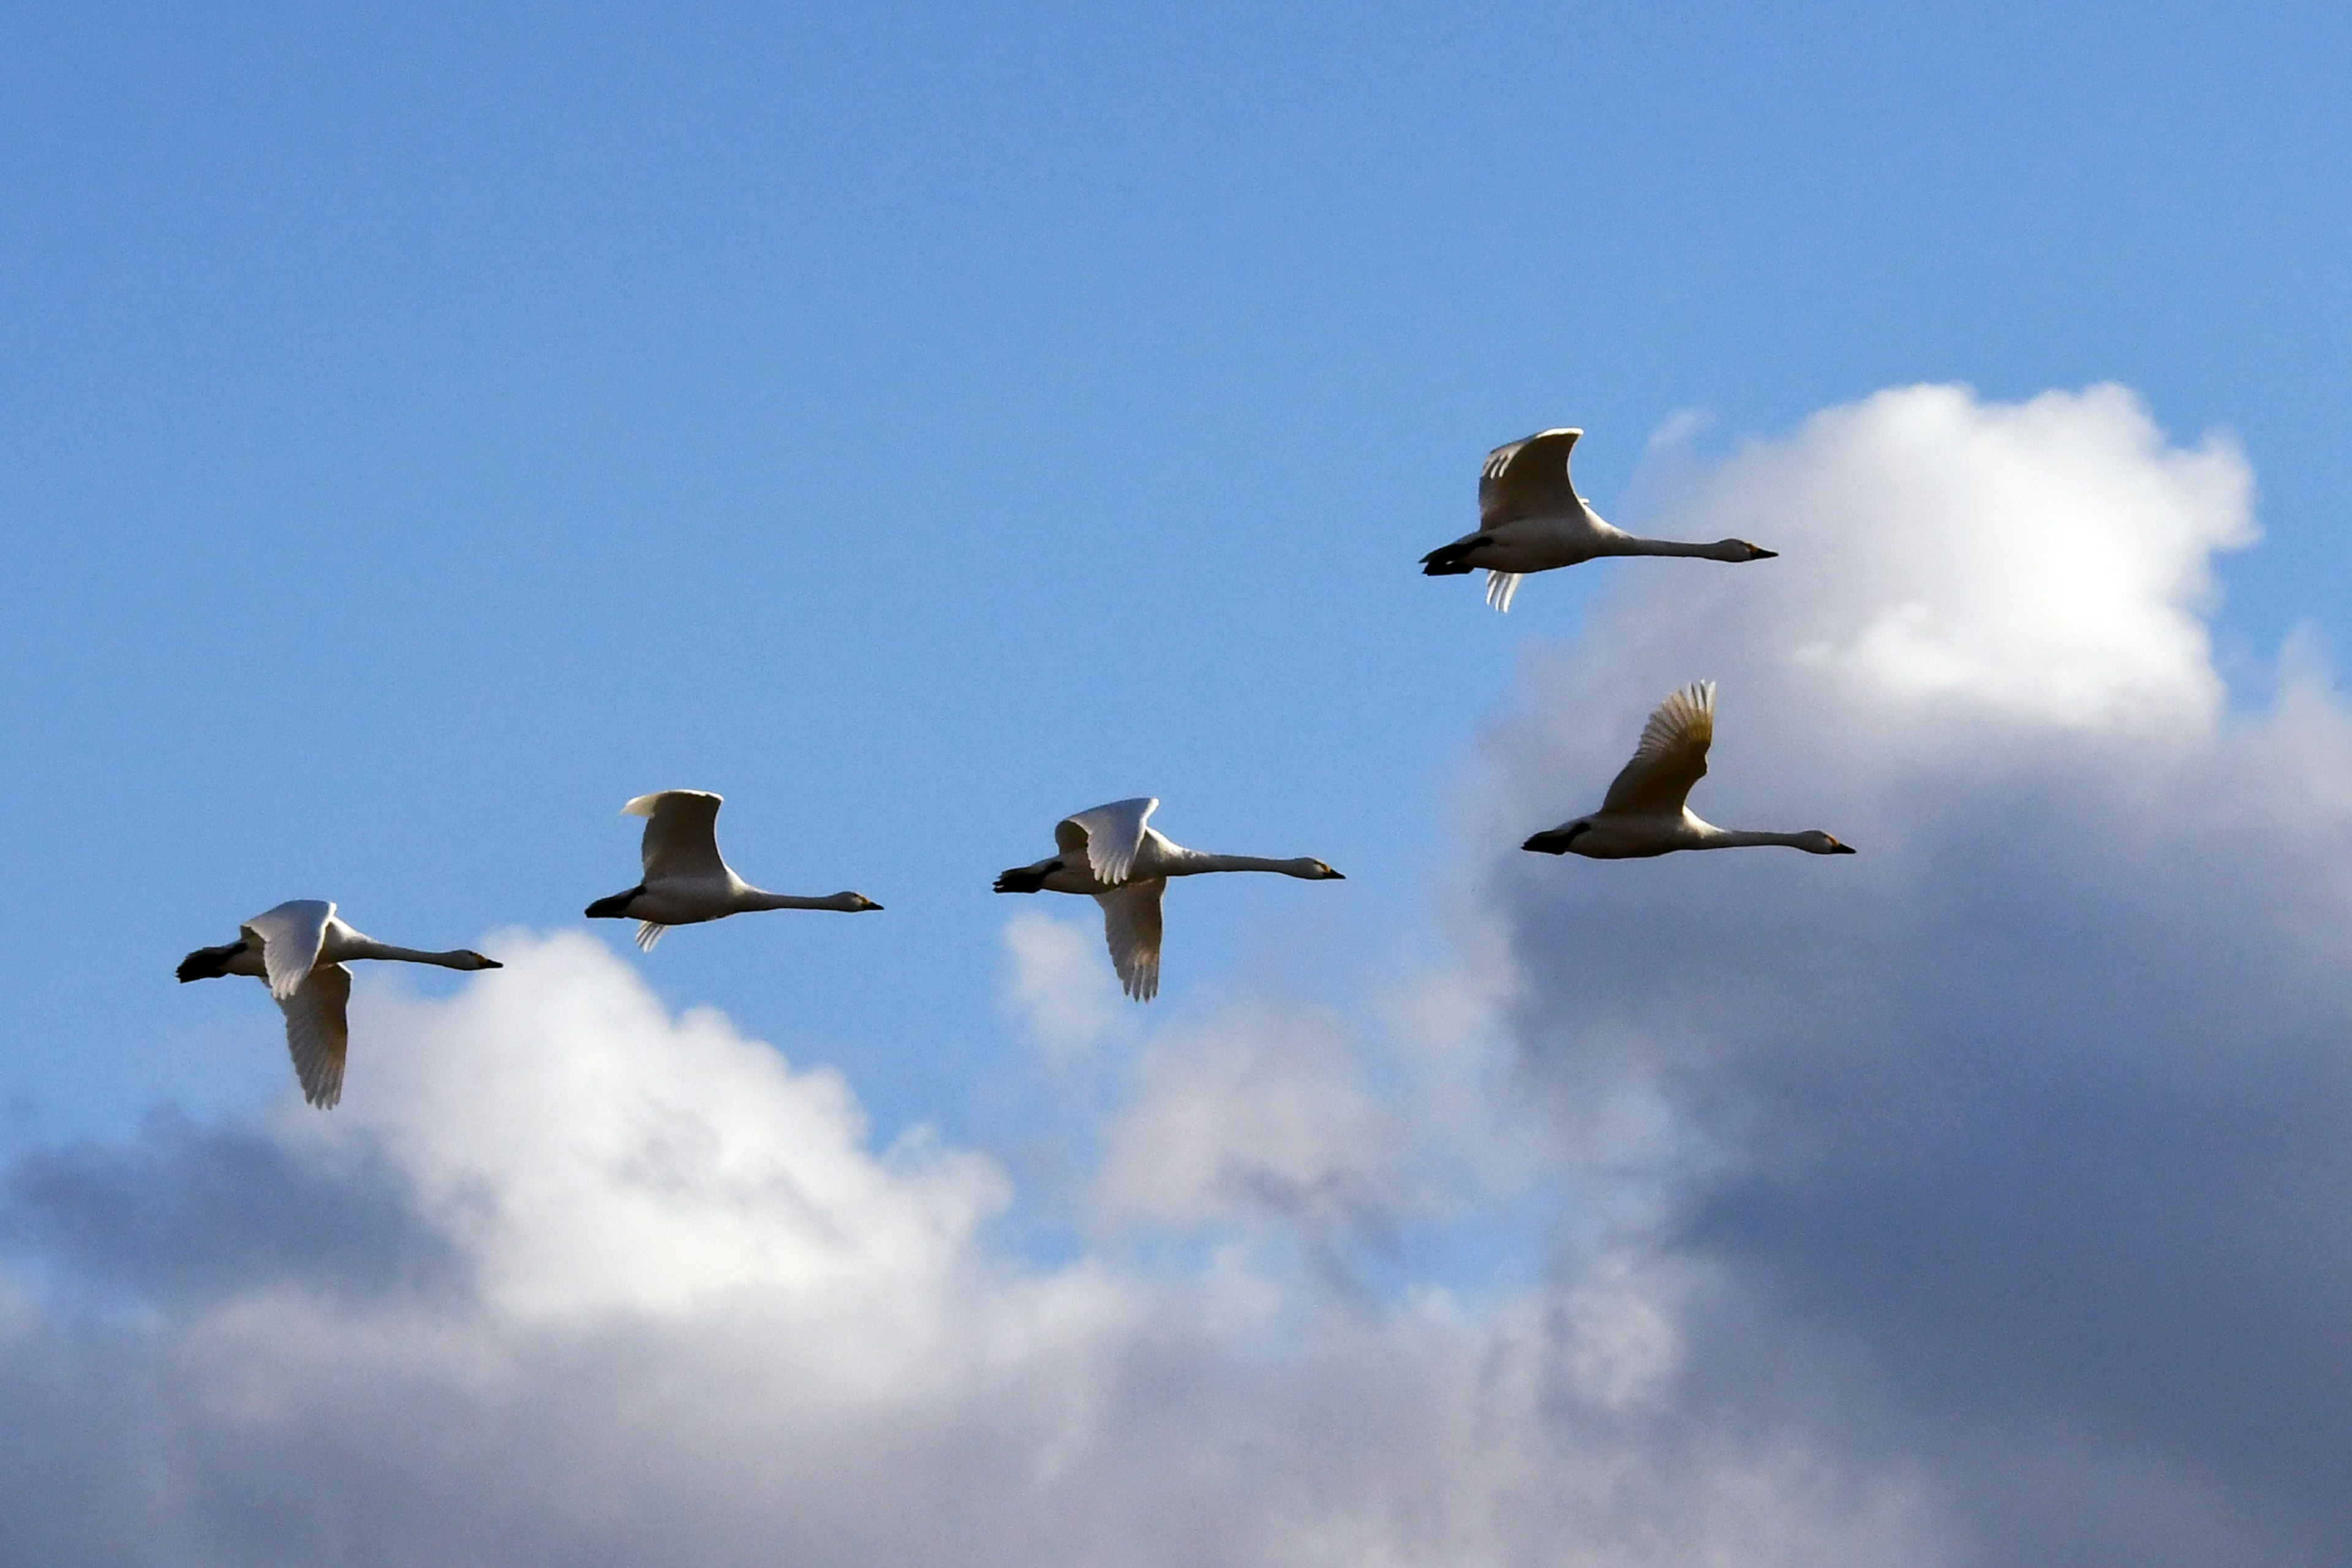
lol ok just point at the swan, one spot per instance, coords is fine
(685, 881)
(1643, 813)
(1111, 854)
(1530, 518)
(299, 948)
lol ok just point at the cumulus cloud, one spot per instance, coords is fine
(2016, 1131)
(1062, 987)
(1970, 1200)
(688, 1315)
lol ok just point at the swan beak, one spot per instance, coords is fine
(492, 963)
(1329, 875)
(1762, 554)
(1843, 849)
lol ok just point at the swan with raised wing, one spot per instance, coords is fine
(1530, 518)
(300, 947)
(685, 881)
(1645, 812)
(1111, 854)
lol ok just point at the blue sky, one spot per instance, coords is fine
(430, 429)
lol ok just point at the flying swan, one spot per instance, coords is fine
(1530, 518)
(300, 947)
(1109, 852)
(1643, 813)
(685, 881)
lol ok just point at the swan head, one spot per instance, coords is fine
(1740, 550)
(1315, 871)
(1819, 843)
(476, 961)
(855, 903)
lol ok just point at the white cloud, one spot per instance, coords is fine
(1062, 987)
(691, 1317)
(1258, 1108)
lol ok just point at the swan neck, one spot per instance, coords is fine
(370, 948)
(1633, 545)
(1724, 838)
(1195, 861)
(758, 898)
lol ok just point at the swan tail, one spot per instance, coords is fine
(1555, 840)
(1447, 559)
(1502, 587)
(648, 933)
(617, 906)
(208, 962)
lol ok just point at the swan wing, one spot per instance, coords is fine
(291, 936)
(318, 1031)
(681, 834)
(1527, 478)
(1671, 758)
(1109, 836)
(1131, 927)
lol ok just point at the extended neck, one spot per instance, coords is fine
(1721, 550)
(756, 899)
(1193, 862)
(367, 947)
(1724, 838)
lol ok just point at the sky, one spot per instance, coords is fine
(428, 429)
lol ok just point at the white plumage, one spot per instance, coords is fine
(1113, 854)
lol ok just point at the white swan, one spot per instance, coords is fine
(299, 948)
(1643, 813)
(685, 881)
(1111, 854)
(1530, 518)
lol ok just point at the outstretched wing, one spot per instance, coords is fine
(1671, 758)
(290, 937)
(1527, 478)
(317, 1033)
(1131, 927)
(1109, 836)
(681, 834)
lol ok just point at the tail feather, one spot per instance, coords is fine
(208, 962)
(617, 906)
(1555, 840)
(1447, 559)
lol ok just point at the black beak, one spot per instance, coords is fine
(1843, 849)
(1762, 554)
(492, 963)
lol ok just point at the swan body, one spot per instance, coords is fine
(685, 881)
(300, 947)
(1530, 518)
(1111, 854)
(1645, 812)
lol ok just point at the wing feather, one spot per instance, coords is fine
(1671, 758)
(1131, 927)
(1527, 478)
(1110, 834)
(681, 834)
(290, 937)
(318, 1031)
